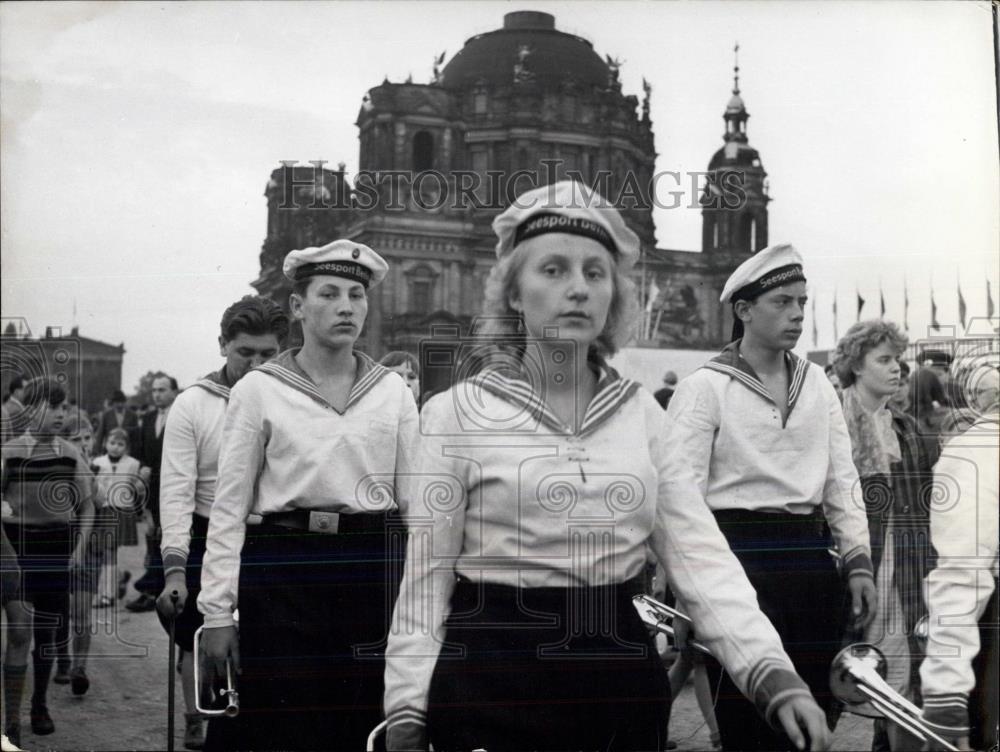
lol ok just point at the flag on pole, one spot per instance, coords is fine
(836, 334)
(654, 293)
(934, 322)
(989, 301)
(881, 302)
(815, 330)
(906, 307)
(861, 303)
(961, 306)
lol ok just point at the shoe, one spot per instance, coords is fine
(143, 603)
(104, 602)
(13, 734)
(41, 721)
(62, 674)
(123, 584)
(80, 683)
(194, 731)
(716, 741)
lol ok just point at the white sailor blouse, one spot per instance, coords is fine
(507, 494)
(728, 446)
(965, 533)
(284, 447)
(191, 442)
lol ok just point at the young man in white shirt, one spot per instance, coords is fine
(252, 330)
(758, 434)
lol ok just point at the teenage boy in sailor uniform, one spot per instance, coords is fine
(312, 446)
(759, 435)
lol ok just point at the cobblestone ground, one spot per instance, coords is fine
(125, 708)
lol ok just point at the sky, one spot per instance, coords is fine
(137, 138)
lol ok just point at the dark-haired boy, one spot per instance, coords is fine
(759, 435)
(252, 331)
(47, 484)
(312, 446)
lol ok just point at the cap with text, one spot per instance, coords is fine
(341, 258)
(570, 208)
(772, 267)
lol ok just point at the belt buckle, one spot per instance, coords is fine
(324, 522)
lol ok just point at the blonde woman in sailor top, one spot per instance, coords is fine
(542, 486)
(298, 535)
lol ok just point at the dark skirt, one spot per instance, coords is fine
(314, 613)
(786, 558)
(547, 669)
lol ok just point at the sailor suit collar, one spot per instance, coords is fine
(612, 392)
(216, 383)
(734, 365)
(287, 370)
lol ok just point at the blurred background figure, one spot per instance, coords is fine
(13, 417)
(116, 416)
(149, 454)
(664, 393)
(405, 365)
(831, 374)
(960, 672)
(895, 473)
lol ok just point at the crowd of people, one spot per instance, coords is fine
(460, 570)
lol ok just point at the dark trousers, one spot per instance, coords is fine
(190, 618)
(314, 613)
(547, 669)
(798, 588)
(43, 555)
(985, 698)
(152, 581)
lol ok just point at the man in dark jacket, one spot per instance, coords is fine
(149, 453)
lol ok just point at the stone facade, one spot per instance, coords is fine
(520, 106)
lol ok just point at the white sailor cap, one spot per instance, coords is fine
(566, 207)
(341, 258)
(772, 267)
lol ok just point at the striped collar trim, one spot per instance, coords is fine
(287, 370)
(734, 365)
(612, 392)
(215, 383)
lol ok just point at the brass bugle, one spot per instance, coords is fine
(230, 694)
(659, 616)
(857, 678)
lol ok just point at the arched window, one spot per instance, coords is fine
(423, 151)
(420, 283)
(479, 102)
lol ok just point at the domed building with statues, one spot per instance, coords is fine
(520, 106)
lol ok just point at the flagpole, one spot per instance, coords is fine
(836, 333)
(906, 307)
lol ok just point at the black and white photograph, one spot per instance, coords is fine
(554, 375)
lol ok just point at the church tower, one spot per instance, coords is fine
(734, 204)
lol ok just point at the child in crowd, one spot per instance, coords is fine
(120, 491)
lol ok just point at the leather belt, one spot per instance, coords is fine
(311, 520)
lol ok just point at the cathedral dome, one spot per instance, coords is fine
(735, 154)
(550, 56)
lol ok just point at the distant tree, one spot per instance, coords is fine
(144, 390)
(11, 330)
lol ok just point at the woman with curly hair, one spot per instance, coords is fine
(540, 484)
(895, 472)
